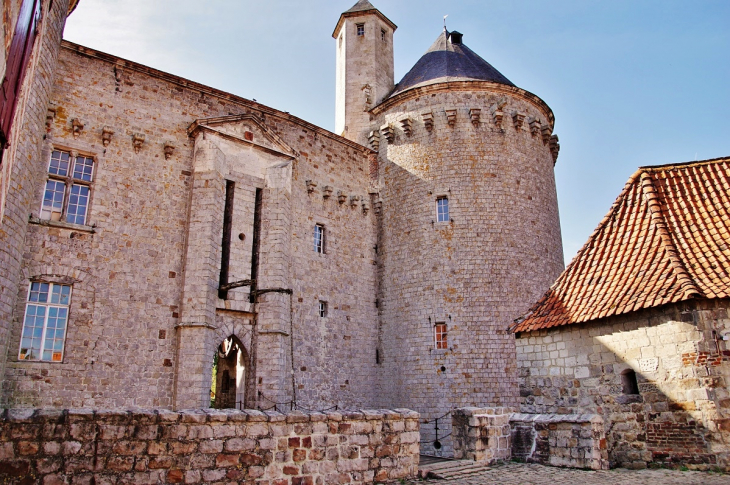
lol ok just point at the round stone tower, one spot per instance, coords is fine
(469, 234)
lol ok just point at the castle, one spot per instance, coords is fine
(155, 229)
(377, 266)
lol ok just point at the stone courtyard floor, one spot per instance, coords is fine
(529, 474)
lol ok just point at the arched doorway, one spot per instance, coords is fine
(230, 362)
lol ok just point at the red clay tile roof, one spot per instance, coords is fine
(666, 239)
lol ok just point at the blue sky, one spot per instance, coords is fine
(631, 83)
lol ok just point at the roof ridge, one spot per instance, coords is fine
(682, 165)
(567, 273)
(655, 211)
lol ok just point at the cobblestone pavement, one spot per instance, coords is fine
(524, 474)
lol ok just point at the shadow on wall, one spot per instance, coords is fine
(659, 378)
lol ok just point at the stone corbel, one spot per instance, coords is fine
(327, 191)
(137, 141)
(451, 117)
(405, 123)
(169, 149)
(546, 132)
(554, 148)
(77, 126)
(374, 140)
(50, 116)
(365, 205)
(475, 114)
(311, 185)
(354, 200)
(341, 197)
(388, 132)
(106, 135)
(428, 120)
(378, 207)
(535, 127)
(518, 119)
(498, 113)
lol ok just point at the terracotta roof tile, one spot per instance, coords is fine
(665, 239)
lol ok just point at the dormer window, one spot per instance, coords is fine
(360, 30)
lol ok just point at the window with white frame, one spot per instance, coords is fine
(45, 322)
(68, 188)
(440, 336)
(442, 209)
(360, 30)
(319, 238)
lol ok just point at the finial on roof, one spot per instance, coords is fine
(445, 23)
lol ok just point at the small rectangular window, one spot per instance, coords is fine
(360, 29)
(442, 209)
(45, 322)
(319, 238)
(382, 35)
(440, 336)
(68, 188)
(322, 309)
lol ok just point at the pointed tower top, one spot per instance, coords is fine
(361, 7)
(448, 59)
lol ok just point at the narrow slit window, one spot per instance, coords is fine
(382, 35)
(319, 238)
(628, 380)
(442, 209)
(360, 30)
(441, 336)
(322, 309)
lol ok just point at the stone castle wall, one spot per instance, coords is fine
(682, 363)
(22, 165)
(158, 446)
(132, 264)
(500, 250)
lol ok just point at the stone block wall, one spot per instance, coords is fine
(131, 264)
(22, 166)
(565, 440)
(207, 446)
(681, 413)
(482, 435)
(497, 254)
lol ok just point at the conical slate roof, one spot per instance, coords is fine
(361, 6)
(449, 60)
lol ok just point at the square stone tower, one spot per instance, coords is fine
(364, 67)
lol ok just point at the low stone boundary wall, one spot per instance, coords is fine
(481, 434)
(207, 446)
(566, 440)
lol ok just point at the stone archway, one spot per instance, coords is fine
(230, 367)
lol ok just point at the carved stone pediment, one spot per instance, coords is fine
(246, 129)
(237, 144)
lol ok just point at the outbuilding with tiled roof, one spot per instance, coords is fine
(636, 328)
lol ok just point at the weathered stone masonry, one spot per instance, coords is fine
(23, 166)
(85, 446)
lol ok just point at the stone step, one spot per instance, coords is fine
(451, 469)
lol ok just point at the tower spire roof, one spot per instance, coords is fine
(448, 59)
(361, 7)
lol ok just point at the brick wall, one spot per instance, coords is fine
(682, 410)
(158, 446)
